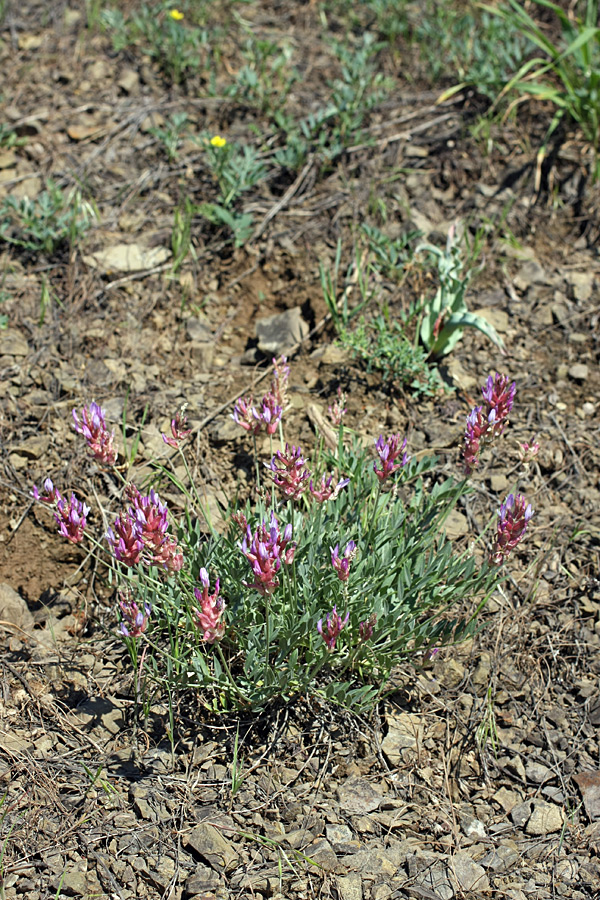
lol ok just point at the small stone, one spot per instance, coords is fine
(469, 875)
(589, 786)
(279, 333)
(452, 674)
(129, 81)
(12, 343)
(499, 483)
(578, 372)
(358, 796)
(531, 272)
(502, 858)
(203, 880)
(13, 609)
(474, 828)
(323, 855)
(545, 819)
(520, 813)
(349, 886)
(341, 839)
(507, 799)
(405, 731)
(456, 525)
(538, 773)
(209, 843)
(582, 284)
(73, 883)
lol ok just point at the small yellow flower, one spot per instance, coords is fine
(175, 14)
(218, 141)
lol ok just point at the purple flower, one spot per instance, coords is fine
(365, 629)
(178, 430)
(513, 517)
(479, 431)
(135, 620)
(499, 396)
(333, 627)
(528, 451)
(93, 427)
(486, 422)
(388, 452)
(71, 518)
(252, 419)
(212, 607)
(341, 564)
(328, 490)
(246, 416)
(270, 413)
(125, 539)
(51, 495)
(141, 533)
(289, 472)
(266, 550)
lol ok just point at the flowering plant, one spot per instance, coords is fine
(322, 591)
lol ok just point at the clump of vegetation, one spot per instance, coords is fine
(49, 221)
(323, 591)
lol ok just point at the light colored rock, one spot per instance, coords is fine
(405, 730)
(14, 610)
(579, 372)
(127, 258)
(456, 525)
(358, 796)
(216, 850)
(468, 875)
(12, 343)
(546, 818)
(531, 272)
(349, 886)
(537, 772)
(582, 284)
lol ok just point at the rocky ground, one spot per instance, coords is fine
(480, 775)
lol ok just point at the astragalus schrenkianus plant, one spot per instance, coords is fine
(338, 572)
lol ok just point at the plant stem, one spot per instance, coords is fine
(374, 516)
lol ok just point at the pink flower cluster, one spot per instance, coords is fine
(212, 607)
(134, 620)
(341, 564)
(178, 430)
(270, 410)
(71, 517)
(140, 534)
(289, 472)
(332, 628)
(266, 550)
(389, 451)
(513, 518)
(291, 475)
(484, 423)
(92, 426)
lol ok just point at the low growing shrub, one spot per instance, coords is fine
(339, 572)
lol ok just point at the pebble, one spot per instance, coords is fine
(578, 372)
(545, 819)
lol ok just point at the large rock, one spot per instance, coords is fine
(280, 333)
